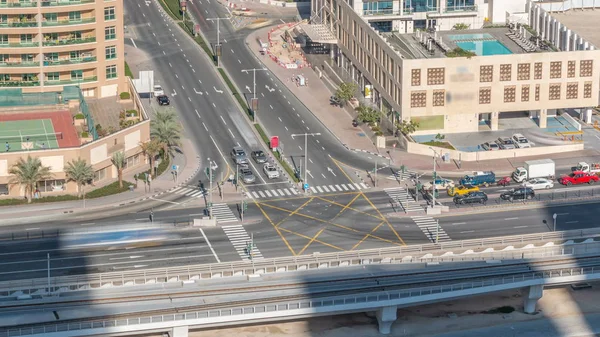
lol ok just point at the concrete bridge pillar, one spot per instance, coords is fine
(532, 295)
(543, 118)
(586, 115)
(179, 331)
(494, 120)
(386, 316)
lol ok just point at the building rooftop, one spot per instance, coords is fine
(582, 22)
(484, 42)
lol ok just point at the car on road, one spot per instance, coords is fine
(158, 90)
(539, 183)
(579, 177)
(239, 156)
(271, 171)
(440, 183)
(505, 143)
(471, 198)
(520, 141)
(259, 156)
(163, 100)
(461, 190)
(521, 193)
(247, 176)
(490, 146)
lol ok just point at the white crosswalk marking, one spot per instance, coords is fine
(184, 191)
(339, 188)
(294, 191)
(398, 175)
(240, 240)
(280, 192)
(357, 186)
(197, 194)
(331, 188)
(352, 187)
(262, 195)
(344, 187)
(268, 194)
(429, 227)
(223, 213)
(364, 185)
(313, 189)
(319, 188)
(286, 191)
(400, 195)
(326, 189)
(255, 195)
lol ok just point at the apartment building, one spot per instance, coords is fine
(416, 76)
(47, 44)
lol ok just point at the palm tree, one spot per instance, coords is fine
(151, 149)
(166, 114)
(27, 173)
(367, 114)
(118, 159)
(80, 172)
(166, 131)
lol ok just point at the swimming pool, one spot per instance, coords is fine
(463, 37)
(484, 48)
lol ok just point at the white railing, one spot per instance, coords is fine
(393, 255)
(343, 303)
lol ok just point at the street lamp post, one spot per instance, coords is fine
(217, 50)
(554, 216)
(253, 70)
(305, 135)
(210, 179)
(434, 178)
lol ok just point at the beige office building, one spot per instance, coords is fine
(414, 76)
(47, 44)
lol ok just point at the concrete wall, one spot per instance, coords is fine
(499, 8)
(487, 155)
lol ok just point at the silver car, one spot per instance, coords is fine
(239, 156)
(521, 141)
(505, 143)
(490, 146)
(539, 183)
(247, 176)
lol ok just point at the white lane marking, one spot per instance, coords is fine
(459, 223)
(271, 106)
(87, 224)
(182, 87)
(189, 99)
(210, 246)
(197, 113)
(511, 219)
(214, 105)
(520, 226)
(205, 128)
(463, 232)
(232, 51)
(300, 147)
(223, 119)
(571, 222)
(32, 229)
(164, 53)
(286, 129)
(133, 42)
(170, 65)
(239, 61)
(231, 133)
(280, 119)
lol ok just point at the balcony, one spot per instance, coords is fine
(385, 12)
(18, 4)
(17, 84)
(66, 42)
(36, 83)
(19, 64)
(67, 22)
(47, 3)
(70, 61)
(20, 45)
(461, 9)
(72, 81)
(32, 23)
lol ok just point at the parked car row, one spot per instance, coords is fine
(239, 157)
(517, 141)
(521, 193)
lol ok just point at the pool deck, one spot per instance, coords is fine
(410, 48)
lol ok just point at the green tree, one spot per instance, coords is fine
(407, 127)
(80, 172)
(151, 149)
(165, 114)
(27, 173)
(166, 130)
(460, 26)
(367, 114)
(118, 159)
(345, 92)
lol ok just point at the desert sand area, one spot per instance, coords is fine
(562, 312)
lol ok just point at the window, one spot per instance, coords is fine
(4, 77)
(28, 78)
(27, 58)
(76, 74)
(505, 72)
(52, 77)
(555, 69)
(416, 77)
(132, 161)
(75, 35)
(3, 39)
(485, 95)
(110, 33)
(435, 76)
(51, 57)
(51, 185)
(4, 57)
(554, 92)
(3, 18)
(111, 72)
(51, 17)
(26, 38)
(486, 73)
(100, 175)
(109, 13)
(75, 55)
(111, 52)
(418, 99)
(75, 16)
(585, 68)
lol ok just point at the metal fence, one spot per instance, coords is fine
(16, 98)
(342, 303)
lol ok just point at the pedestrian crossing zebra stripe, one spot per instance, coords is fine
(223, 213)
(240, 239)
(287, 192)
(429, 227)
(400, 195)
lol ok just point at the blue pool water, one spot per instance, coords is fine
(463, 37)
(484, 48)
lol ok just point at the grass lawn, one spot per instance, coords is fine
(444, 145)
(128, 70)
(429, 122)
(172, 7)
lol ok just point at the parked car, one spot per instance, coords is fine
(239, 156)
(163, 100)
(440, 183)
(271, 171)
(505, 143)
(462, 190)
(490, 146)
(579, 177)
(521, 193)
(484, 178)
(471, 198)
(259, 156)
(520, 141)
(158, 90)
(247, 176)
(539, 183)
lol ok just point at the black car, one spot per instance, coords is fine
(471, 198)
(163, 100)
(521, 193)
(259, 156)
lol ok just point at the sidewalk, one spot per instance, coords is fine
(315, 96)
(188, 164)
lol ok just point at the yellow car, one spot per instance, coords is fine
(462, 190)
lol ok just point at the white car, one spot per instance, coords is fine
(440, 184)
(490, 146)
(521, 141)
(158, 90)
(539, 183)
(271, 171)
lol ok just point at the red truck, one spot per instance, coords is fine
(579, 177)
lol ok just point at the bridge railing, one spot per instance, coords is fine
(345, 303)
(403, 254)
